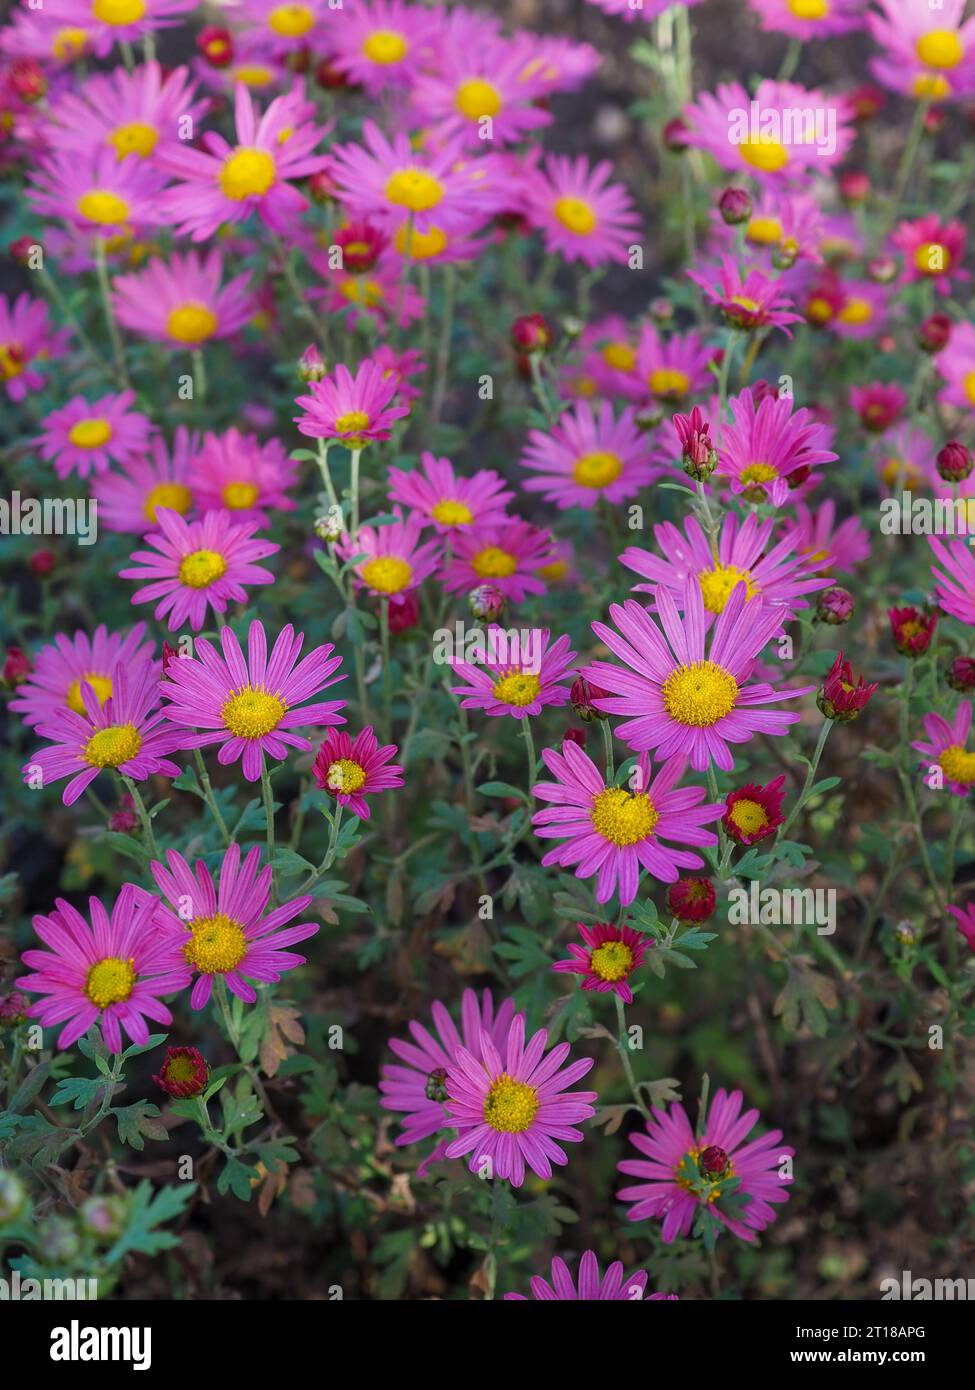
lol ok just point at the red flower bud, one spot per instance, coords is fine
(934, 333)
(531, 333)
(216, 45)
(184, 1073)
(954, 462)
(691, 899)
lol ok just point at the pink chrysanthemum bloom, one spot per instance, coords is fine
(395, 562)
(416, 1087)
(352, 410)
(681, 695)
(683, 1177)
(508, 556)
(447, 500)
(382, 43)
(43, 35)
(110, 970)
(87, 437)
(929, 51)
(124, 733)
(608, 959)
(587, 455)
(743, 554)
(648, 9)
(97, 193)
(784, 131)
(54, 684)
(955, 582)
(286, 27)
(878, 405)
(28, 342)
(127, 501)
(810, 19)
(932, 250)
(478, 82)
(957, 365)
(400, 367)
(823, 545)
(747, 301)
(673, 368)
(245, 477)
(582, 215)
(616, 832)
(227, 183)
(510, 1108)
(515, 677)
(181, 302)
(118, 21)
(378, 292)
(558, 64)
(766, 443)
(129, 111)
(965, 921)
(613, 1286)
(251, 707)
(350, 769)
(609, 357)
(226, 931)
(862, 313)
(198, 564)
(905, 460)
(780, 223)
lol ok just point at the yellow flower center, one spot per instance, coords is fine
(667, 381)
(613, 960)
(510, 1106)
(253, 75)
(932, 258)
(385, 46)
(819, 310)
(597, 470)
(576, 216)
(758, 473)
(90, 434)
(765, 153)
(11, 360)
(201, 568)
(622, 816)
(69, 43)
(931, 86)
(717, 584)
(113, 746)
(387, 574)
(809, 9)
(176, 496)
(119, 12)
(191, 323)
(101, 685)
(239, 496)
(102, 207)
(345, 776)
(494, 563)
(449, 512)
(941, 48)
(365, 292)
(958, 765)
(620, 356)
(352, 423)
(896, 470)
(749, 816)
(291, 21)
(519, 688)
(554, 572)
(856, 311)
(247, 173)
(476, 98)
(217, 944)
(742, 300)
(111, 981)
(423, 246)
(969, 385)
(700, 694)
(251, 713)
(414, 189)
(134, 138)
(766, 231)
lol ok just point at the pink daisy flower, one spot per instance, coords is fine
(582, 215)
(932, 250)
(417, 1087)
(41, 34)
(945, 748)
(613, 1286)
(957, 365)
(478, 82)
(905, 459)
(673, 368)
(87, 437)
(199, 564)
(445, 499)
(557, 64)
(291, 27)
(586, 456)
(608, 958)
(743, 554)
(955, 582)
(648, 9)
(747, 300)
(773, 135)
(97, 193)
(227, 183)
(59, 669)
(181, 302)
(400, 367)
(122, 733)
(227, 931)
(965, 921)
(616, 832)
(350, 769)
(251, 707)
(127, 501)
(515, 676)
(781, 222)
(862, 312)
(245, 477)
(681, 695)
(28, 342)
(111, 970)
(766, 443)
(510, 1109)
(395, 562)
(352, 410)
(129, 111)
(378, 292)
(382, 43)
(810, 19)
(823, 545)
(687, 1180)
(609, 359)
(929, 52)
(118, 21)
(878, 405)
(507, 555)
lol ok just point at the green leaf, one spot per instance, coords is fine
(236, 1177)
(145, 1215)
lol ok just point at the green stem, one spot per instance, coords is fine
(608, 751)
(526, 729)
(118, 351)
(269, 818)
(623, 1047)
(810, 778)
(329, 858)
(148, 838)
(210, 798)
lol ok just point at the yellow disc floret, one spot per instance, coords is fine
(613, 960)
(387, 574)
(576, 216)
(110, 981)
(718, 583)
(957, 764)
(598, 469)
(251, 711)
(700, 694)
(510, 1106)
(101, 685)
(113, 746)
(494, 563)
(201, 568)
(622, 816)
(519, 688)
(247, 173)
(217, 944)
